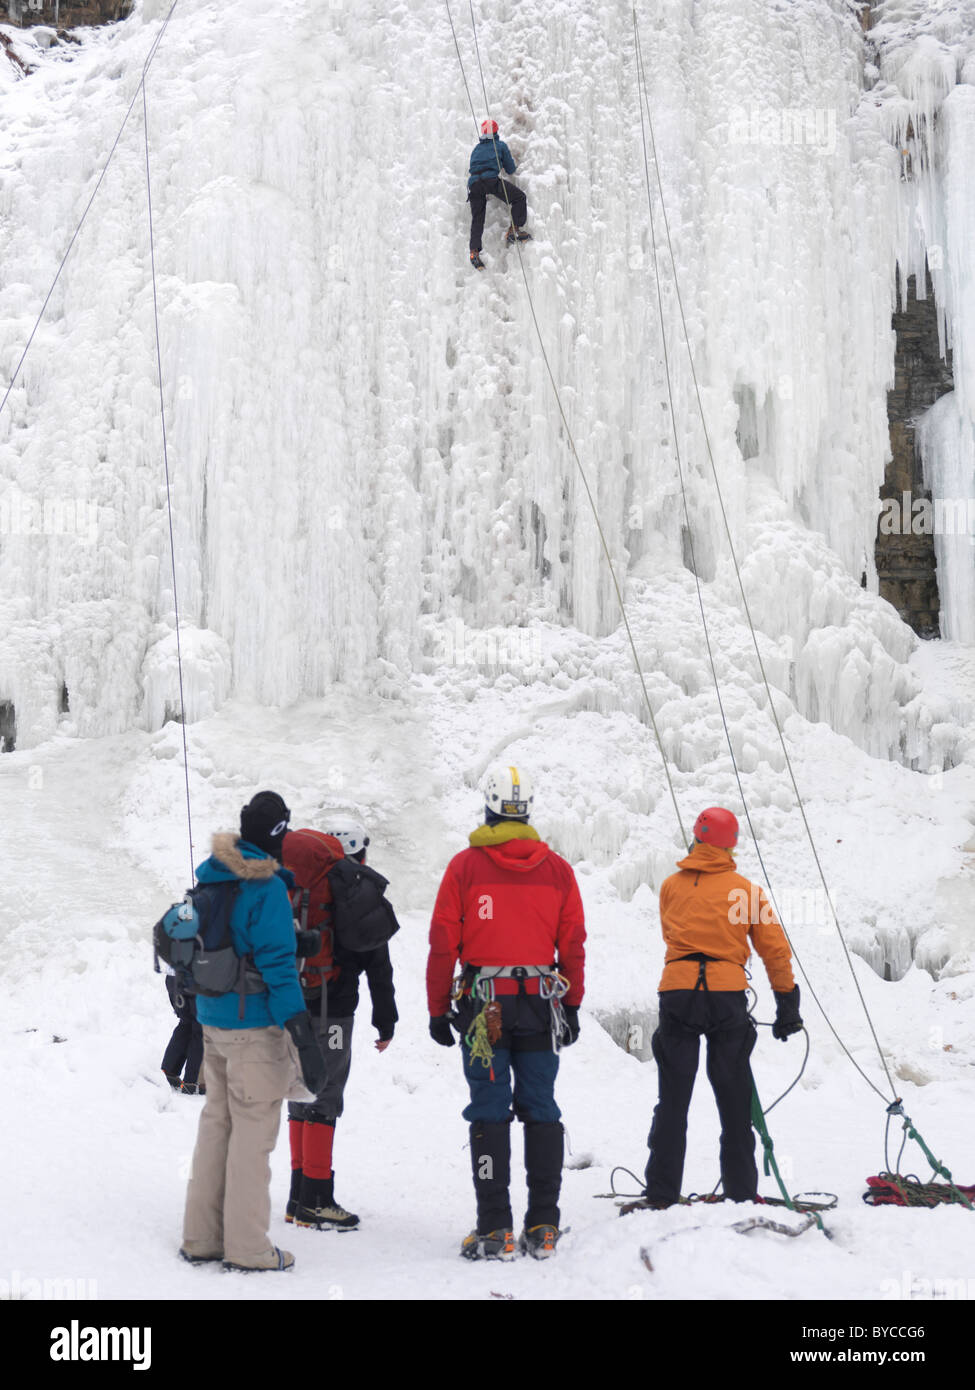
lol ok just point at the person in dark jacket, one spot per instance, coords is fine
(489, 157)
(185, 1048)
(258, 1048)
(509, 910)
(331, 989)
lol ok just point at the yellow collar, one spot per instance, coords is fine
(486, 835)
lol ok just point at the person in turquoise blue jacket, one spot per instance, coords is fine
(259, 1047)
(489, 158)
(263, 928)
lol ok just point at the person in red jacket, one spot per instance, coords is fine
(711, 916)
(509, 910)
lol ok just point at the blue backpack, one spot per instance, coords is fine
(195, 938)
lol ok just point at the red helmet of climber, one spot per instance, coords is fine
(716, 826)
(490, 161)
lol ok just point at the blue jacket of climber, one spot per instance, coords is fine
(485, 156)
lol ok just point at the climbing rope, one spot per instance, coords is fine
(768, 1151)
(897, 1108)
(900, 1190)
(165, 448)
(571, 440)
(800, 1201)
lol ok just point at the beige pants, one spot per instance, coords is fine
(249, 1071)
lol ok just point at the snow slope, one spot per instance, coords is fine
(102, 1146)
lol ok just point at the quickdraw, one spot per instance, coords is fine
(554, 988)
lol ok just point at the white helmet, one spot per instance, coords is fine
(508, 792)
(350, 833)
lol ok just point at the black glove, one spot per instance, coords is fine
(308, 943)
(309, 1052)
(787, 1020)
(441, 1031)
(571, 1012)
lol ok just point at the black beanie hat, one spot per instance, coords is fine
(264, 815)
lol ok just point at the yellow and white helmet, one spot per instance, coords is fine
(508, 792)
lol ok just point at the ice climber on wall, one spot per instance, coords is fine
(489, 157)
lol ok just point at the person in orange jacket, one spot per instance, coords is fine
(711, 916)
(509, 910)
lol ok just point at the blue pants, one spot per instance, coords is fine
(532, 1097)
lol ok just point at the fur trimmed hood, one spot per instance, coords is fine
(225, 848)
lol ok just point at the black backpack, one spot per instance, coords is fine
(194, 937)
(362, 919)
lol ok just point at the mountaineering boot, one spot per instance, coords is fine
(294, 1196)
(544, 1146)
(494, 1245)
(275, 1259)
(318, 1209)
(476, 261)
(539, 1241)
(517, 234)
(195, 1257)
(296, 1134)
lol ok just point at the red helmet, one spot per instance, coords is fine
(716, 826)
(489, 127)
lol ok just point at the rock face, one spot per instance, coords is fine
(67, 14)
(905, 561)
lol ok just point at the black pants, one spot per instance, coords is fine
(497, 188)
(186, 1045)
(722, 1018)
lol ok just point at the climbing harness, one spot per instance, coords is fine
(481, 983)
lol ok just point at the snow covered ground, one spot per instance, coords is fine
(102, 1146)
(390, 578)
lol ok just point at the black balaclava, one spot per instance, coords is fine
(492, 818)
(264, 823)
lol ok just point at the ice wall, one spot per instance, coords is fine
(926, 96)
(365, 448)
